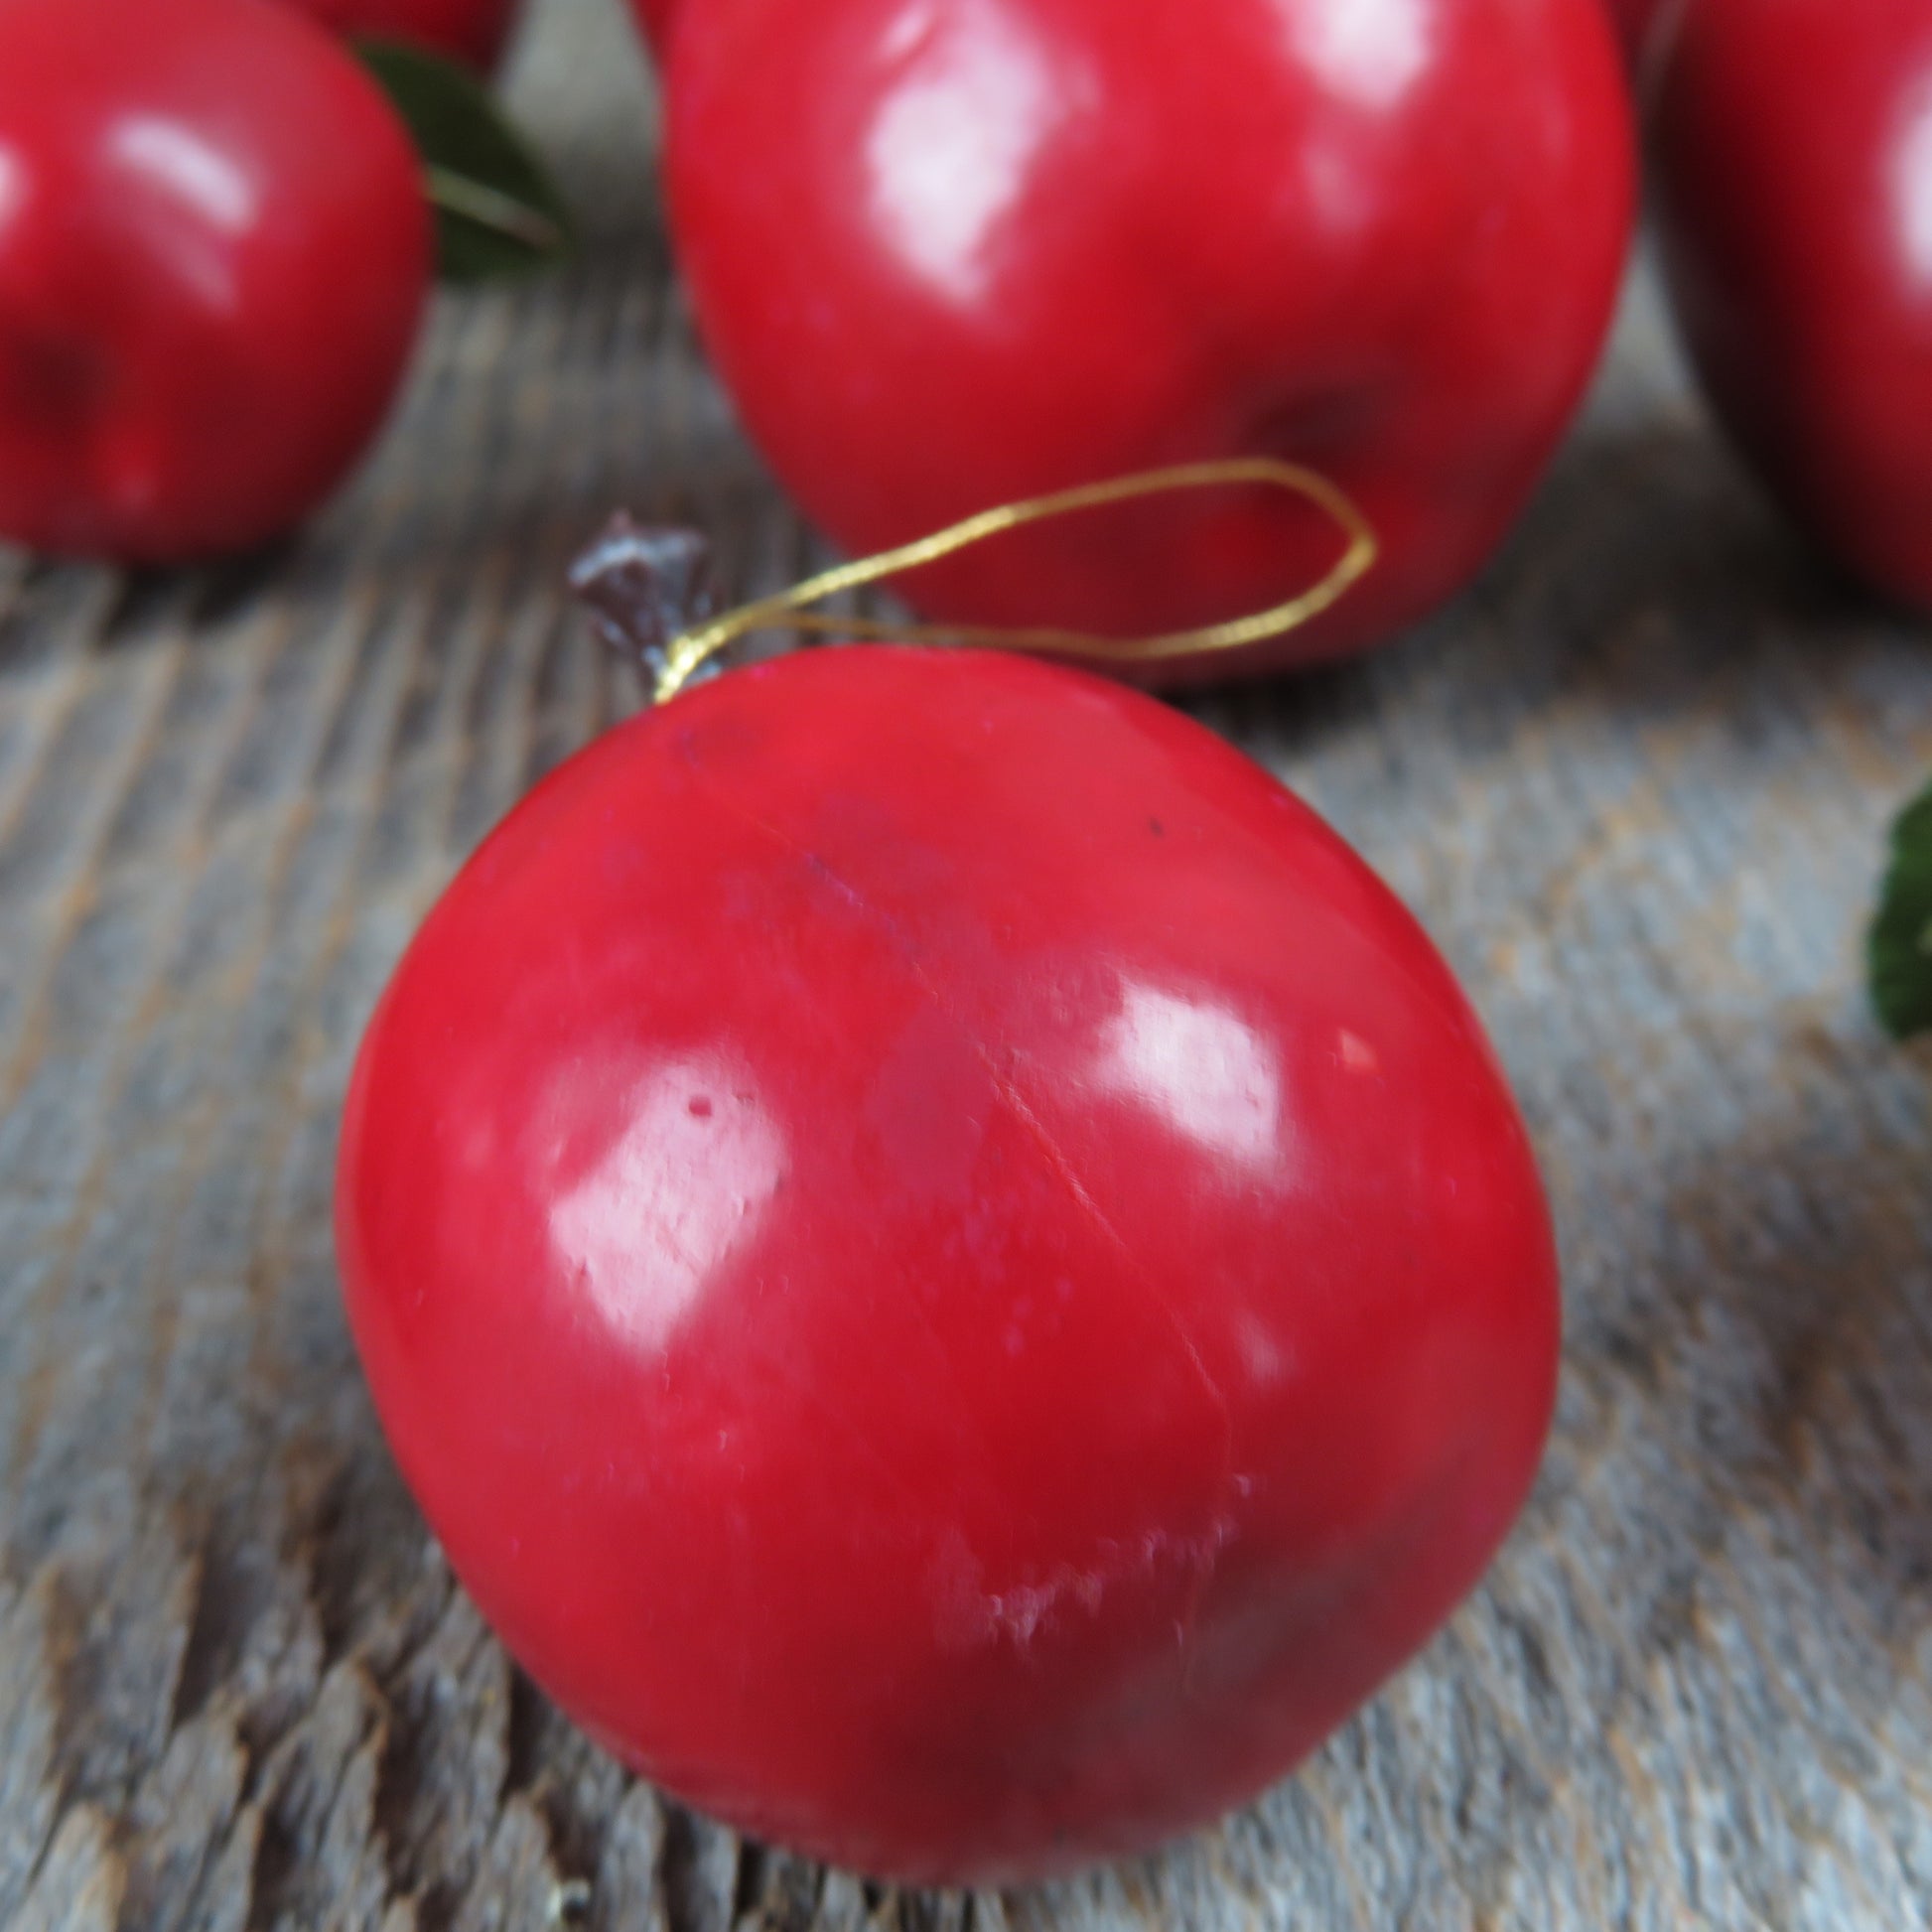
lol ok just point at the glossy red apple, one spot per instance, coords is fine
(1794, 160)
(474, 32)
(949, 253)
(214, 252)
(954, 1274)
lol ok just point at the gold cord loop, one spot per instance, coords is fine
(787, 608)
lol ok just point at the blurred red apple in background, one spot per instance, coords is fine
(214, 252)
(1794, 151)
(950, 253)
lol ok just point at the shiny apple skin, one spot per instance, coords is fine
(214, 257)
(954, 1273)
(951, 253)
(1794, 162)
(473, 31)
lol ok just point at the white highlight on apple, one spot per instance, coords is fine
(1203, 1068)
(956, 138)
(177, 160)
(1911, 188)
(679, 1193)
(12, 185)
(1368, 52)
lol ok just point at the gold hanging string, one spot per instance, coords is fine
(690, 650)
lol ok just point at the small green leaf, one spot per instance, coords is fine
(498, 211)
(1899, 949)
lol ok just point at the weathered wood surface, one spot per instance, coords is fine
(1635, 784)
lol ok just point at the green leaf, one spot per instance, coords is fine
(498, 211)
(1899, 948)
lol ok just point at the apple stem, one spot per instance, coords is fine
(645, 588)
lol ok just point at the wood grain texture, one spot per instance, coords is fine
(1635, 784)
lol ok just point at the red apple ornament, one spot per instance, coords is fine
(955, 1275)
(951, 253)
(474, 32)
(1794, 151)
(214, 252)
